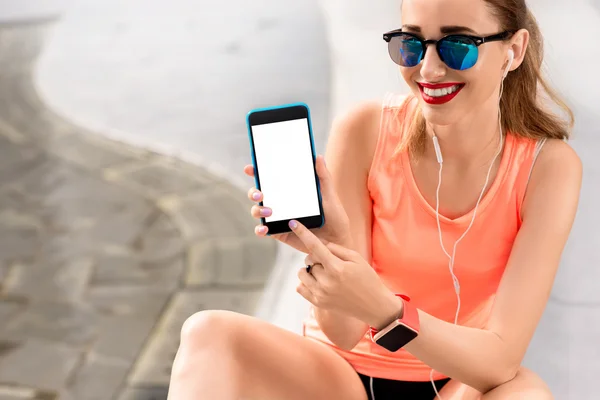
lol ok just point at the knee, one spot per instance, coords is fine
(208, 329)
(204, 336)
(207, 339)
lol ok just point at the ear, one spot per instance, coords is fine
(518, 44)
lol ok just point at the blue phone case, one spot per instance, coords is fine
(312, 142)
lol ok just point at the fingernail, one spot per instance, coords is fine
(265, 212)
(293, 224)
(262, 229)
(256, 195)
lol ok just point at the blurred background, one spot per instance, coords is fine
(123, 204)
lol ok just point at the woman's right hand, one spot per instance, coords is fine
(337, 226)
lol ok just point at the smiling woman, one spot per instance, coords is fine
(452, 207)
(520, 106)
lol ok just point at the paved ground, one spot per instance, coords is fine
(105, 250)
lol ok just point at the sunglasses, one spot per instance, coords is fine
(458, 52)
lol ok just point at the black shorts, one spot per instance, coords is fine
(387, 389)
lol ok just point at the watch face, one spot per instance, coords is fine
(397, 337)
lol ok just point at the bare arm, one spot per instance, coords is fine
(486, 358)
(349, 155)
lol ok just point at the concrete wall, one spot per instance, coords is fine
(179, 76)
(18, 10)
(360, 65)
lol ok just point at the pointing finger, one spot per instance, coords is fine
(314, 245)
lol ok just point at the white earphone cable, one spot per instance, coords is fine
(437, 213)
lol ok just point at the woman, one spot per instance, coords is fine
(447, 210)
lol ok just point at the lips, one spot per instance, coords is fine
(439, 98)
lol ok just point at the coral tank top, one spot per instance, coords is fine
(406, 251)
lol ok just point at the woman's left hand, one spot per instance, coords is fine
(341, 280)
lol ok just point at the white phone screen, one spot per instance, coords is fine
(284, 162)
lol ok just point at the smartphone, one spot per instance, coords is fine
(283, 154)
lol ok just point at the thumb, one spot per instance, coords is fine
(324, 175)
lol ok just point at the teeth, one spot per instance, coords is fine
(440, 92)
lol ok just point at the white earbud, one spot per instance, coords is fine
(511, 58)
(438, 151)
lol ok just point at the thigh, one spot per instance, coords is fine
(278, 364)
(525, 385)
(456, 390)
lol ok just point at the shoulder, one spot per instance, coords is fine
(357, 131)
(555, 179)
(352, 124)
(557, 160)
(354, 134)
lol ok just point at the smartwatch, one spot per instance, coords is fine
(401, 331)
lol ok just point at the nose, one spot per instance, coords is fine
(432, 67)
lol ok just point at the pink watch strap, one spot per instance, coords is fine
(410, 315)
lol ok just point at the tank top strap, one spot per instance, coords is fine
(394, 116)
(526, 154)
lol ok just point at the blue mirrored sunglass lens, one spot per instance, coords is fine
(458, 53)
(408, 51)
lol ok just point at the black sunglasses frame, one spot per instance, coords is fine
(477, 40)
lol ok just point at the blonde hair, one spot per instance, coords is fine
(523, 110)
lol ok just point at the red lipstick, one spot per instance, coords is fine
(441, 99)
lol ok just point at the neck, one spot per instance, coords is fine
(471, 141)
